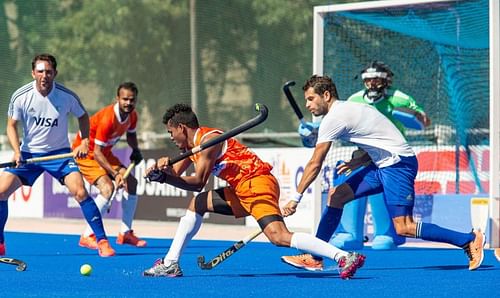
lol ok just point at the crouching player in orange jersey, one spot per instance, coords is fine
(101, 168)
(252, 190)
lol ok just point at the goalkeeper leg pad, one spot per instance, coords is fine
(352, 222)
(385, 236)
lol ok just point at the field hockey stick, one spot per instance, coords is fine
(227, 253)
(291, 100)
(21, 266)
(125, 175)
(37, 159)
(262, 109)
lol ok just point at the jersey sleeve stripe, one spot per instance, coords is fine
(64, 89)
(100, 143)
(20, 92)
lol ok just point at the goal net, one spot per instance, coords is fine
(439, 52)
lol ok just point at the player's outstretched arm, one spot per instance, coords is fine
(311, 171)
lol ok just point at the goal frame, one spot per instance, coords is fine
(494, 100)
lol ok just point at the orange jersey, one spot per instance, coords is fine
(106, 128)
(237, 162)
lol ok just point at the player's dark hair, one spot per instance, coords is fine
(320, 84)
(181, 114)
(129, 86)
(44, 57)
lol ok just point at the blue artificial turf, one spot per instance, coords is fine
(256, 271)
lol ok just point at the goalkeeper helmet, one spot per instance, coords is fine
(377, 78)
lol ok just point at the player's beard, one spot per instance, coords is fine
(44, 86)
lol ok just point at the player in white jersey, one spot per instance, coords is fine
(43, 107)
(392, 172)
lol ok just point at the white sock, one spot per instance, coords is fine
(102, 205)
(316, 247)
(129, 204)
(188, 227)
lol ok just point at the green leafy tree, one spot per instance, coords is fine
(245, 51)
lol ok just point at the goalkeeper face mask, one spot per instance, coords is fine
(377, 78)
(375, 89)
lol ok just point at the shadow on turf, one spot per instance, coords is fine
(456, 267)
(287, 274)
(440, 267)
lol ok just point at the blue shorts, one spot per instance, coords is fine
(397, 182)
(58, 168)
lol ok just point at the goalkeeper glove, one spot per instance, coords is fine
(308, 132)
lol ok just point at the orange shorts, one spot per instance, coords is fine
(92, 170)
(256, 196)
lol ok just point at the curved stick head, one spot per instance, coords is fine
(262, 109)
(201, 261)
(288, 84)
(21, 267)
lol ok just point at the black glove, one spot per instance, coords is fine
(136, 156)
(156, 176)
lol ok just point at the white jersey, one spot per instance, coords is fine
(366, 127)
(45, 119)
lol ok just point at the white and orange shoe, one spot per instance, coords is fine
(304, 261)
(105, 249)
(89, 242)
(130, 238)
(475, 250)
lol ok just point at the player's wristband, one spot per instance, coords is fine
(297, 197)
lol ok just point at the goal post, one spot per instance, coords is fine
(494, 14)
(446, 54)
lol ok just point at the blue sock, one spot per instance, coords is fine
(4, 213)
(434, 232)
(328, 223)
(93, 217)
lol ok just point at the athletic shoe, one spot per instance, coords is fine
(160, 269)
(105, 250)
(88, 242)
(304, 261)
(475, 250)
(130, 238)
(348, 265)
(2, 249)
(497, 253)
